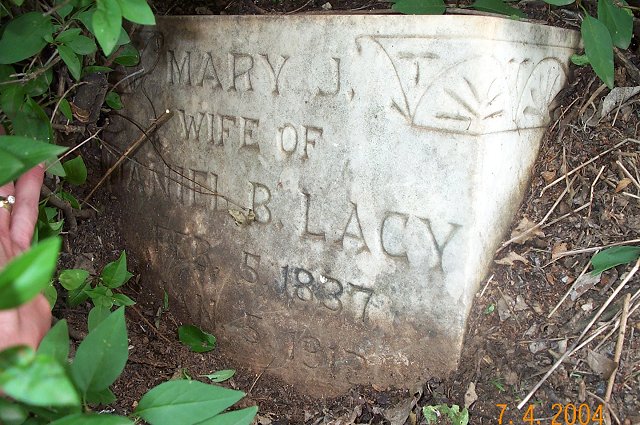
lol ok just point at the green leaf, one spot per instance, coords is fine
(65, 108)
(23, 37)
(196, 339)
(185, 402)
(101, 357)
(67, 35)
(123, 300)
(91, 69)
(97, 316)
(114, 101)
(115, 274)
(128, 56)
(55, 343)
(123, 38)
(579, 60)
(71, 279)
(619, 22)
(104, 397)
(50, 293)
(6, 72)
(11, 99)
(101, 296)
(71, 60)
(420, 7)
(559, 2)
(38, 380)
(55, 168)
(614, 256)
(77, 296)
(82, 45)
(107, 23)
(69, 198)
(430, 414)
(93, 419)
(47, 226)
(221, 375)
(31, 121)
(11, 166)
(599, 48)
(63, 11)
(26, 275)
(12, 413)
(237, 417)
(137, 11)
(497, 6)
(86, 18)
(39, 85)
(76, 171)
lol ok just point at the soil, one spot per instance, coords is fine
(512, 340)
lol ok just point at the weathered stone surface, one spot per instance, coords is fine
(366, 168)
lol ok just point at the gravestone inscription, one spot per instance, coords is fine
(331, 189)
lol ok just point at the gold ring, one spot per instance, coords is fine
(7, 202)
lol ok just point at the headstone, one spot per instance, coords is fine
(331, 189)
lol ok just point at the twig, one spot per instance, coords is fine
(631, 195)
(562, 114)
(66, 207)
(26, 77)
(541, 222)
(584, 332)
(619, 344)
(67, 153)
(134, 146)
(53, 114)
(260, 375)
(593, 249)
(616, 320)
(592, 188)
(486, 285)
(627, 173)
(155, 330)
(133, 74)
(56, 8)
(606, 405)
(595, 94)
(584, 270)
(300, 8)
(67, 128)
(562, 217)
(578, 168)
(633, 71)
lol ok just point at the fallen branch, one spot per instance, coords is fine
(70, 213)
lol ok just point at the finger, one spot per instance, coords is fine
(25, 325)
(35, 320)
(25, 210)
(5, 213)
(5, 190)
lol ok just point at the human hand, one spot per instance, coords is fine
(27, 324)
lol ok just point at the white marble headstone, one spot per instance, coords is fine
(331, 189)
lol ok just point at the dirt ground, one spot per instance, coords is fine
(584, 195)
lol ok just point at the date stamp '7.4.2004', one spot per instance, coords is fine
(563, 414)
